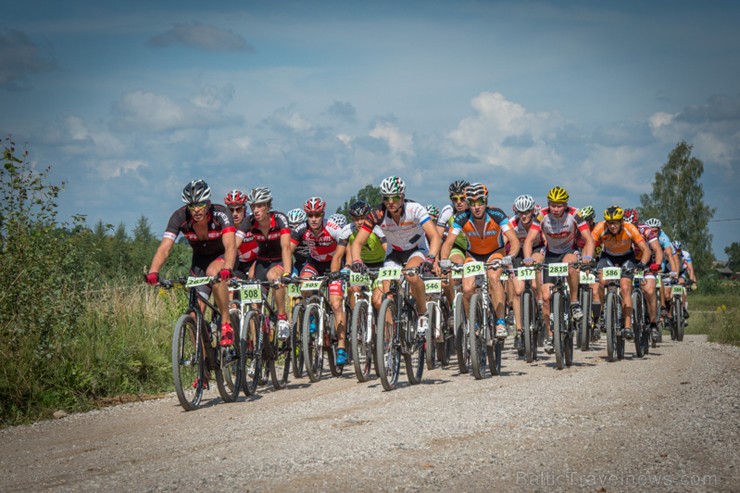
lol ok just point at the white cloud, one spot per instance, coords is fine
(400, 144)
(114, 168)
(200, 36)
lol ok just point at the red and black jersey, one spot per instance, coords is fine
(248, 247)
(219, 222)
(269, 247)
(321, 247)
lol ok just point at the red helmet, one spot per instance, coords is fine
(631, 216)
(314, 205)
(235, 197)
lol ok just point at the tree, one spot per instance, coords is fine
(733, 254)
(677, 200)
(369, 194)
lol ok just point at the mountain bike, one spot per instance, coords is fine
(532, 323)
(319, 333)
(485, 348)
(297, 308)
(460, 322)
(585, 298)
(267, 357)
(640, 323)
(196, 349)
(397, 335)
(363, 324)
(676, 321)
(613, 313)
(438, 310)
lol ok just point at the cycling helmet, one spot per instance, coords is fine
(235, 197)
(432, 210)
(392, 185)
(523, 203)
(557, 194)
(587, 212)
(359, 209)
(457, 187)
(314, 205)
(537, 209)
(631, 216)
(677, 245)
(476, 191)
(295, 217)
(259, 195)
(338, 219)
(653, 223)
(613, 213)
(196, 191)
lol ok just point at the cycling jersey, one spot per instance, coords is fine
(372, 251)
(248, 247)
(650, 237)
(219, 222)
(488, 240)
(445, 220)
(521, 232)
(269, 247)
(620, 244)
(408, 233)
(321, 246)
(559, 233)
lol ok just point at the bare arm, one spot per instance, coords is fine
(163, 252)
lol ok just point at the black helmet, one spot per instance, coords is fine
(359, 209)
(196, 191)
(458, 187)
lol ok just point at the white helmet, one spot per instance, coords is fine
(523, 203)
(392, 185)
(296, 216)
(259, 195)
(653, 223)
(338, 219)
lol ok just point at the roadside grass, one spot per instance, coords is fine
(717, 316)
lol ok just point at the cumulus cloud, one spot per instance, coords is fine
(20, 58)
(143, 110)
(291, 120)
(399, 144)
(201, 36)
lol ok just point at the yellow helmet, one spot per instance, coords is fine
(558, 194)
(613, 213)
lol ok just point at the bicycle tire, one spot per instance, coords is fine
(558, 328)
(430, 350)
(528, 326)
(253, 355)
(296, 330)
(477, 337)
(462, 346)
(188, 365)
(388, 351)
(610, 320)
(280, 370)
(638, 324)
(229, 372)
(584, 326)
(313, 349)
(446, 347)
(678, 317)
(362, 357)
(567, 335)
(413, 345)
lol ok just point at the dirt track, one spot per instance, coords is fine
(669, 422)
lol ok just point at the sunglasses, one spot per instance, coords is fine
(198, 205)
(477, 203)
(315, 214)
(392, 198)
(236, 209)
(457, 198)
(613, 223)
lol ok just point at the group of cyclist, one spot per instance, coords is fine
(268, 245)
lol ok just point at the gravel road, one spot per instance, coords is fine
(669, 422)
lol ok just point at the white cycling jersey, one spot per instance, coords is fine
(408, 233)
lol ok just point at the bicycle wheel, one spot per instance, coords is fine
(568, 341)
(229, 372)
(413, 345)
(610, 320)
(330, 345)
(528, 326)
(584, 326)
(296, 346)
(280, 369)
(360, 340)
(313, 348)
(678, 317)
(388, 350)
(558, 328)
(253, 354)
(445, 347)
(477, 337)
(462, 346)
(435, 327)
(188, 368)
(638, 323)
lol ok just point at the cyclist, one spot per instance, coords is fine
(484, 228)
(246, 245)
(274, 257)
(520, 223)
(656, 259)
(340, 220)
(670, 261)
(433, 212)
(296, 217)
(560, 225)
(373, 251)
(621, 241)
(406, 226)
(321, 238)
(444, 223)
(210, 231)
(686, 272)
(588, 214)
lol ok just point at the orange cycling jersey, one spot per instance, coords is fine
(490, 238)
(619, 244)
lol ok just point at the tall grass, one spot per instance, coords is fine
(717, 315)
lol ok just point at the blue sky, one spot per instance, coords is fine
(129, 101)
